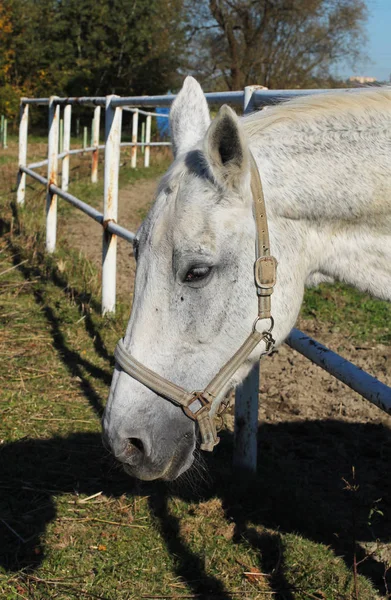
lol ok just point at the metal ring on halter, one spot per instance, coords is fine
(261, 319)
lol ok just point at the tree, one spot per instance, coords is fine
(276, 43)
(118, 46)
(74, 48)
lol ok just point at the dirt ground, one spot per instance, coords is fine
(292, 388)
(86, 235)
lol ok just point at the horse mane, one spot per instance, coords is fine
(330, 106)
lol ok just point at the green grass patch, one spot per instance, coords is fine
(348, 311)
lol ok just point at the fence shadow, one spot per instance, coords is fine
(189, 567)
(72, 359)
(79, 297)
(301, 487)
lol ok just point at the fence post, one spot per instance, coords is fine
(51, 199)
(66, 147)
(246, 396)
(85, 134)
(95, 144)
(23, 132)
(134, 138)
(61, 142)
(113, 121)
(248, 104)
(246, 421)
(147, 140)
(5, 133)
(142, 137)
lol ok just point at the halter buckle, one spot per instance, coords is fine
(196, 397)
(265, 273)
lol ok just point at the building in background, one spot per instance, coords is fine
(361, 79)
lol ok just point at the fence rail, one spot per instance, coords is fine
(252, 97)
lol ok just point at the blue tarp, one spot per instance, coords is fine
(162, 122)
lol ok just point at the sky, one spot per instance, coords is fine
(378, 48)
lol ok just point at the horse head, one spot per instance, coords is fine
(194, 301)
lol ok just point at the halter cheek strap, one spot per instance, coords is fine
(201, 406)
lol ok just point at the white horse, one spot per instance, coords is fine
(325, 165)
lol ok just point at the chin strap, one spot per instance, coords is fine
(202, 406)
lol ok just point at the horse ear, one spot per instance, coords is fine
(189, 117)
(226, 149)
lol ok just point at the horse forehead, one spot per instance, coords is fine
(184, 215)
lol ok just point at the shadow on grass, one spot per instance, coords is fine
(300, 487)
(189, 567)
(80, 298)
(72, 359)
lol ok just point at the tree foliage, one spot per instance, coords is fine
(276, 43)
(131, 47)
(74, 47)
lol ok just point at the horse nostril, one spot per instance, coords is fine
(134, 448)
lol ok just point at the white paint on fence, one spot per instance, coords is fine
(110, 210)
(143, 137)
(134, 138)
(51, 199)
(246, 421)
(95, 144)
(23, 130)
(66, 148)
(147, 140)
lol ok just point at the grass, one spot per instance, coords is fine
(348, 311)
(74, 526)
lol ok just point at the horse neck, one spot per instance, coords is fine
(326, 164)
(327, 181)
(331, 190)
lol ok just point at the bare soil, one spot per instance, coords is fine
(86, 235)
(292, 388)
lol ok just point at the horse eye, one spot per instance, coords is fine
(197, 273)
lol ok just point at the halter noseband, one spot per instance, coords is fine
(203, 406)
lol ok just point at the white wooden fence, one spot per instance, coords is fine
(250, 99)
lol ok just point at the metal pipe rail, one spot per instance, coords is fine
(358, 380)
(261, 97)
(144, 144)
(144, 112)
(112, 227)
(246, 405)
(82, 101)
(75, 151)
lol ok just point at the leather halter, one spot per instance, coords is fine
(202, 406)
